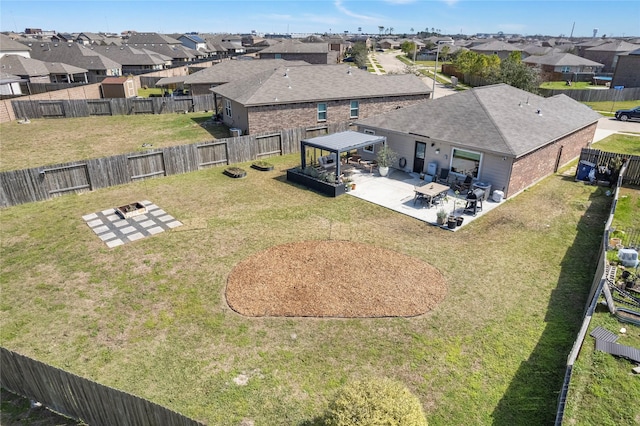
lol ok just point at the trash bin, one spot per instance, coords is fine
(485, 186)
(498, 196)
(584, 169)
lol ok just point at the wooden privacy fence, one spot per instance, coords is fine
(72, 108)
(42, 183)
(596, 95)
(80, 398)
(602, 158)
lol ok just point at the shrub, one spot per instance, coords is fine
(375, 402)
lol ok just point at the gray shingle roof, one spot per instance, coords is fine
(151, 38)
(131, 56)
(21, 66)
(497, 118)
(73, 54)
(295, 46)
(227, 71)
(7, 44)
(318, 83)
(561, 59)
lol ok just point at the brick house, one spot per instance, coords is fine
(559, 66)
(314, 95)
(608, 53)
(499, 134)
(626, 73)
(295, 50)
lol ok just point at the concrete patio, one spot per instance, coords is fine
(396, 192)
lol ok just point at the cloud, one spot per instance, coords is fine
(338, 4)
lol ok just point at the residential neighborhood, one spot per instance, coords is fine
(405, 227)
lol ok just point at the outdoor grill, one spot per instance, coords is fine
(474, 201)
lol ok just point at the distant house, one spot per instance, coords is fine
(193, 41)
(202, 81)
(564, 66)
(8, 46)
(10, 85)
(165, 45)
(608, 53)
(314, 96)
(495, 47)
(627, 72)
(135, 60)
(97, 65)
(498, 134)
(295, 50)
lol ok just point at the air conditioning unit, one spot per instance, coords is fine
(235, 132)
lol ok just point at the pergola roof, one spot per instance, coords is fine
(343, 141)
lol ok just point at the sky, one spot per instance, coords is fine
(613, 18)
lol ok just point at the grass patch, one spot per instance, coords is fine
(612, 107)
(562, 85)
(149, 317)
(619, 143)
(150, 91)
(52, 141)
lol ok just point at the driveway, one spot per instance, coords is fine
(392, 65)
(609, 125)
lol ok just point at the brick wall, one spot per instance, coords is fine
(276, 117)
(538, 164)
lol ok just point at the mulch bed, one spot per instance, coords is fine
(333, 279)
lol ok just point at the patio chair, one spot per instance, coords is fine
(464, 186)
(443, 177)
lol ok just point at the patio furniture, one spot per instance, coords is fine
(354, 159)
(443, 177)
(368, 165)
(464, 186)
(430, 192)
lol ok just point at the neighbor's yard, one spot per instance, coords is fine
(150, 317)
(54, 141)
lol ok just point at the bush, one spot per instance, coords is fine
(375, 402)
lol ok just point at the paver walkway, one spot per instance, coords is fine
(115, 231)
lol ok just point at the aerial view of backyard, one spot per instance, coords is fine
(482, 338)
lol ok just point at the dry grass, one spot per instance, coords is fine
(54, 141)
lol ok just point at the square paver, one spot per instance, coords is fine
(115, 231)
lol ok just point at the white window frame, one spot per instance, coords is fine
(453, 151)
(228, 111)
(322, 112)
(565, 69)
(354, 111)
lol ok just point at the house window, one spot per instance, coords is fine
(227, 108)
(354, 109)
(465, 162)
(565, 69)
(322, 112)
(277, 55)
(368, 148)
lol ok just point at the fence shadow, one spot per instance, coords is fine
(532, 396)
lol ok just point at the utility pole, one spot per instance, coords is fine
(435, 72)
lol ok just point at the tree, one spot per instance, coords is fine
(444, 52)
(359, 52)
(408, 47)
(381, 29)
(516, 73)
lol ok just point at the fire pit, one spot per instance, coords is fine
(131, 210)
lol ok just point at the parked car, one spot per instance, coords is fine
(180, 92)
(628, 114)
(349, 59)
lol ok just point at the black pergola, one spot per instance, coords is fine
(338, 143)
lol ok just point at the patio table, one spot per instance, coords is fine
(368, 165)
(430, 191)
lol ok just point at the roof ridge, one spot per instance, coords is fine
(490, 116)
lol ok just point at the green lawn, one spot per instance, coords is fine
(150, 318)
(50, 141)
(620, 143)
(562, 85)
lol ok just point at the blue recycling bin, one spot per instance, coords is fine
(584, 168)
